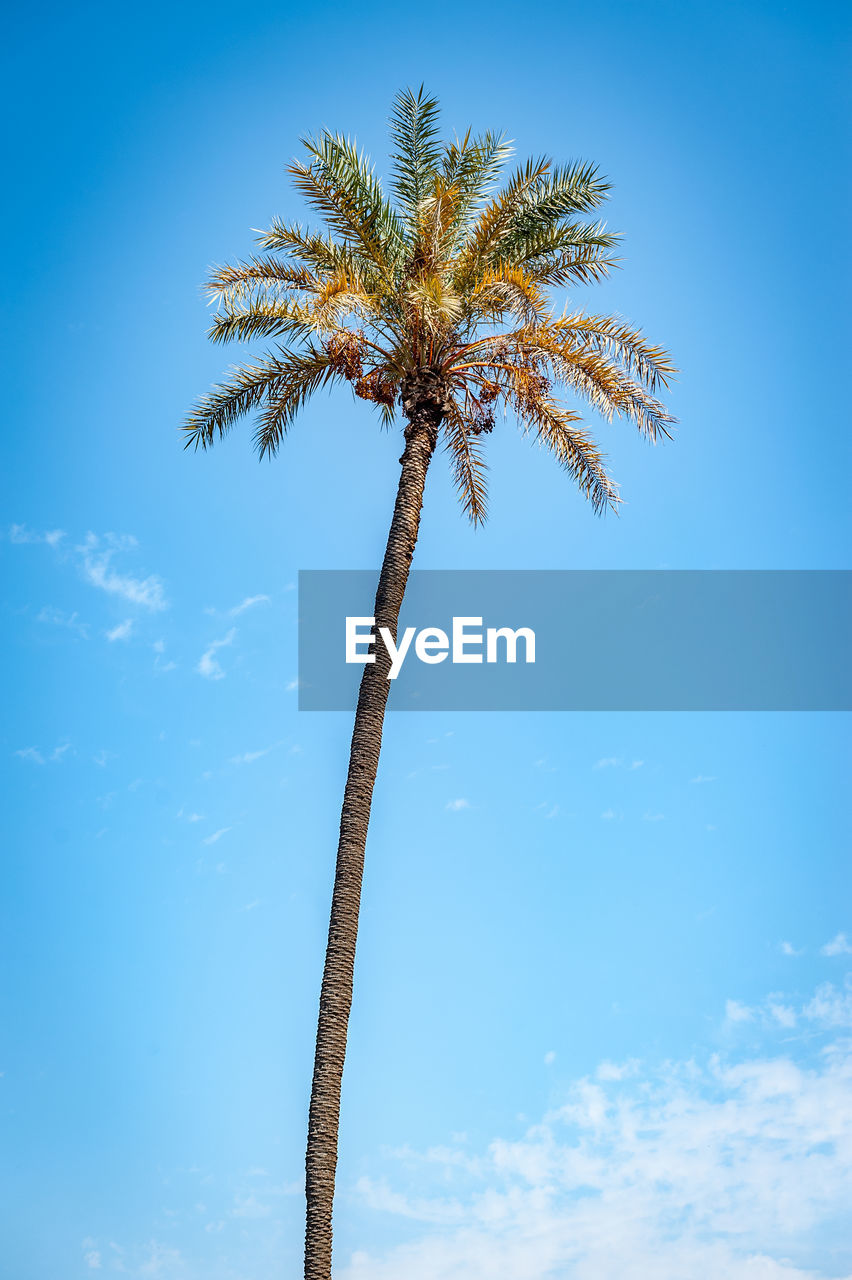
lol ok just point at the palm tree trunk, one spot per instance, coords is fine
(422, 406)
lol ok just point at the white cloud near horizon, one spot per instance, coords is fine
(734, 1168)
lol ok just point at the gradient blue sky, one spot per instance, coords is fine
(666, 895)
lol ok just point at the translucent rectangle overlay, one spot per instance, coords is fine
(610, 640)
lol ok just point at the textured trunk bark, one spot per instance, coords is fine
(422, 405)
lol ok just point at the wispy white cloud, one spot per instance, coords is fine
(788, 949)
(123, 631)
(616, 762)
(702, 778)
(248, 603)
(784, 1014)
(208, 664)
(96, 563)
(57, 618)
(617, 1070)
(19, 533)
(161, 666)
(831, 1006)
(828, 1008)
(249, 757)
(216, 836)
(249, 1206)
(738, 1168)
(735, 1011)
(839, 946)
(455, 806)
(190, 817)
(91, 1254)
(36, 756)
(162, 1260)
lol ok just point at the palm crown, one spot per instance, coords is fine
(450, 279)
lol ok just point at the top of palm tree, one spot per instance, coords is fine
(450, 280)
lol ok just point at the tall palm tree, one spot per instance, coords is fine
(435, 301)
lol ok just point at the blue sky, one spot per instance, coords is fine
(601, 990)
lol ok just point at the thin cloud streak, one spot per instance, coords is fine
(208, 664)
(248, 603)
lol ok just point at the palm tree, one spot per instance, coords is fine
(436, 302)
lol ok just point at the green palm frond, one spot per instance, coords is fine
(224, 405)
(575, 449)
(652, 364)
(583, 264)
(556, 195)
(490, 227)
(322, 252)
(544, 244)
(267, 272)
(611, 391)
(414, 134)
(468, 464)
(473, 164)
(256, 317)
(302, 373)
(272, 383)
(471, 167)
(341, 184)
